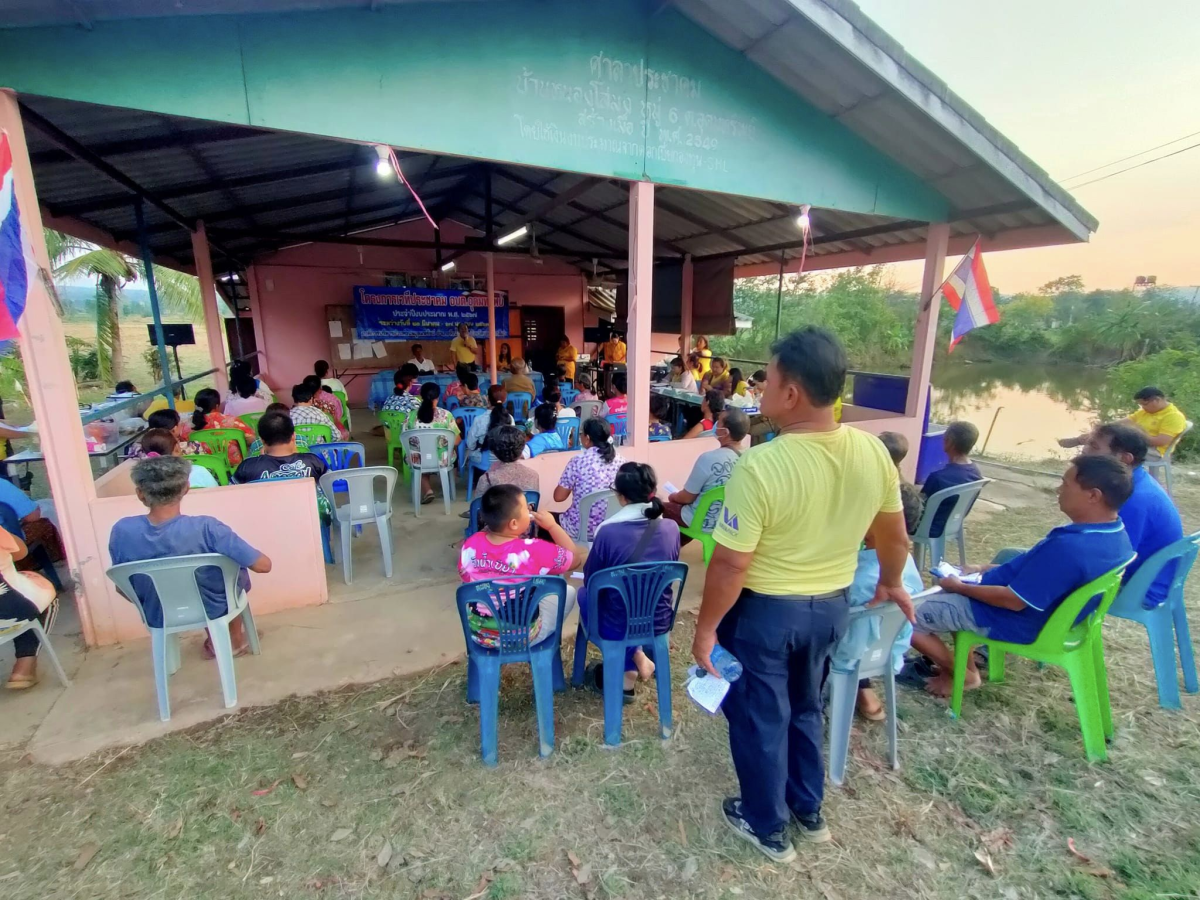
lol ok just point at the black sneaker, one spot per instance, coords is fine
(813, 829)
(776, 846)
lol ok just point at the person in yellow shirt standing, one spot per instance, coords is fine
(464, 347)
(703, 356)
(776, 593)
(565, 357)
(614, 350)
(1160, 419)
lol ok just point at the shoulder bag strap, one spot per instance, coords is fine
(647, 535)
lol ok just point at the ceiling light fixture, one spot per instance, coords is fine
(512, 236)
(450, 266)
(803, 219)
(383, 166)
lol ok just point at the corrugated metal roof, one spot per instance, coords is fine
(247, 184)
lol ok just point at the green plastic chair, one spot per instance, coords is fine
(218, 465)
(393, 423)
(315, 434)
(218, 439)
(696, 530)
(341, 395)
(1076, 647)
(251, 419)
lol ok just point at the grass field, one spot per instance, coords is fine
(377, 791)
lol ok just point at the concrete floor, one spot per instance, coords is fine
(371, 629)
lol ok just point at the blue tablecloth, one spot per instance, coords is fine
(381, 388)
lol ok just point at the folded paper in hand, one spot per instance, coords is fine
(707, 691)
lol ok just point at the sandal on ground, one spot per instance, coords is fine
(428, 498)
(596, 683)
(210, 653)
(21, 682)
(876, 715)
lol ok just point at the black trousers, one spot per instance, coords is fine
(776, 723)
(16, 606)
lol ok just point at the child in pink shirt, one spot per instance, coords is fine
(502, 550)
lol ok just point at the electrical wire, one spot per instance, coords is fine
(1126, 158)
(1147, 162)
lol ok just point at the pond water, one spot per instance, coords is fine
(1031, 406)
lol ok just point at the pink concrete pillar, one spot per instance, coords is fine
(51, 388)
(685, 306)
(491, 292)
(927, 321)
(641, 280)
(213, 329)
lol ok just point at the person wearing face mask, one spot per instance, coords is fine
(712, 469)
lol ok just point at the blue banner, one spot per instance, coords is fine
(395, 314)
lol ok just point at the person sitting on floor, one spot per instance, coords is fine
(206, 415)
(519, 381)
(1149, 515)
(617, 403)
(711, 469)
(583, 389)
(160, 442)
(321, 370)
(161, 484)
(1015, 599)
(325, 400)
(405, 395)
(303, 412)
(243, 397)
(24, 596)
(592, 470)
(483, 425)
(503, 549)
(910, 494)
(506, 444)
(545, 437)
(430, 415)
(637, 533)
(470, 395)
(959, 440)
(660, 417)
(169, 419)
(711, 406)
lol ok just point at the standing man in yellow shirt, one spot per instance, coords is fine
(565, 357)
(614, 350)
(796, 511)
(464, 347)
(1161, 420)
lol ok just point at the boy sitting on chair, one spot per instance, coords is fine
(958, 441)
(1012, 601)
(161, 483)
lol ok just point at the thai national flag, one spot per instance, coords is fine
(17, 269)
(970, 294)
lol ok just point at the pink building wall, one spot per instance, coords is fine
(291, 288)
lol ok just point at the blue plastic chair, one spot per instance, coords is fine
(450, 403)
(533, 498)
(640, 588)
(655, 438)
(337, 456)
(514, 603)
(1166, 624)
(568, 393)
(568, 430)
(485, 462)
(539, 386)
(620, 426)
(467, 416)
(520, 404)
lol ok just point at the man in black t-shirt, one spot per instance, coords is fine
(279, 458)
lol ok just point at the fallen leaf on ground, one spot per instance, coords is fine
(260, 826)
(583, 874)
(925, 858)
(341, 834)
(1151, 778)
(574, 860)
(385, 855)
(300, 782)
(175, 829)
(725, 874)
(682, 834)
(482, 887)
(690, 868)
(985, 860)
(329, 801)
(1075, 852)
(300, 755)
(262, 792)
(997, 839)
(86, 853)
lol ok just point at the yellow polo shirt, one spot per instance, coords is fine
(565, 357)
(464, 351)
(614, 352)
(1168, 420)
(802, 504)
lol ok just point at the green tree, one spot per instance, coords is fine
(178, 294)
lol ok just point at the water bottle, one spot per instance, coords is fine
(726, 664)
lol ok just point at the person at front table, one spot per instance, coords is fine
(424, 365)
(614, 351)
(565, 357)
(680, 377)
(321, 370)
(1159, 418)
(464, 348)
(710, 407)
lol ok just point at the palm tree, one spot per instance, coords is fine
(178, 293)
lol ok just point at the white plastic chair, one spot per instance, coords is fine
(431, 461)
(174, 580)
(363, 505)
(962, 497)
(11, 629)
(1164, 462)
(876, 661)
(586, 502)
(586, 409)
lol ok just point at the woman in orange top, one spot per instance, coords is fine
(208, 415)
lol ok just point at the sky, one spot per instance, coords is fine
(1077, 84)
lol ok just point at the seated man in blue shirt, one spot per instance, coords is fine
(161, 483)
(1149, 515)
(1014, 600)
(958, 441)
